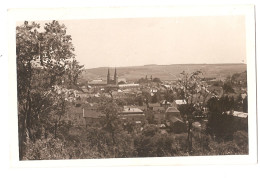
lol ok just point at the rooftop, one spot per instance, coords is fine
(175, 119)
(128, 85)
(239, 114)
(165, 102)
(172, 109)
(131, 110)
(97, 82)
(154, 104)
(158, 108)
(180, 102)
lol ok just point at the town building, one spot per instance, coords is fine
(174, 121)
(104, 83)
(130, 85)
(132, 113)
(110, 81)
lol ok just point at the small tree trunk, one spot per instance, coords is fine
(22, 140)
(55, 129)
(56, 126)
(189, 136)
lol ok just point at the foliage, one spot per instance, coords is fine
(241, 139)
(121, 82)
(45, 149)
(192, 89)
(142, 80)
(43, 61)
(218, 83)
(245, 105)
(239, 79)
(157, 80)
(170, 96)
(153, 144)
(146, 97)
(73, 71)
(139, 100)
(226, 148)
(219, 123)
(227, 87)
(156, 97)
(149, 115)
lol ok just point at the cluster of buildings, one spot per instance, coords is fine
(164, 111)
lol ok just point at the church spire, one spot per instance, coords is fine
(115, 78)
(108, 76)
(115, 74)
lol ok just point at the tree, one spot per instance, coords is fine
(220, 123)
(191, 89)
(170, 96)
(149, 115)
(157, 80)
(227, 87)
(121, 82)
(139, 100)
(156, 97)
(73, 71)
(42, 62)
(147, 97)
(245, 105)
(111, 121)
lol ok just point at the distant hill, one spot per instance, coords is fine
(165, 72)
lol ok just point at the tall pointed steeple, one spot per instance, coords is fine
(115, 78)
(108, 76)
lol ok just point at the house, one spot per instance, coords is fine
(159, 109)
(132, 113)
(91, 116)
(172, 112)
(85, 115)
(156, 107)
(130, 85)
(174, 121)
(176, 125)
(165, 104)
(180, 102)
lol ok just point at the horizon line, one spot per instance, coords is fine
(229, 63)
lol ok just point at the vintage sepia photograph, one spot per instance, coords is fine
(133, 87)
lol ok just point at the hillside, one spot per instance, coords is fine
(165, 72)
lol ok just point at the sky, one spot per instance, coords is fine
(162, 41)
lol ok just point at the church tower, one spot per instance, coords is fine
(108, 76)
(115, 78)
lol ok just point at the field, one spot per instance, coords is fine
(165, 72)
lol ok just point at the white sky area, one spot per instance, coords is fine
(162, 41)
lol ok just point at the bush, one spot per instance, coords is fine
(241, 139)
(45, 149)
(227, 87)
(158, 145)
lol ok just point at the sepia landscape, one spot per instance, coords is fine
(80, 99)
